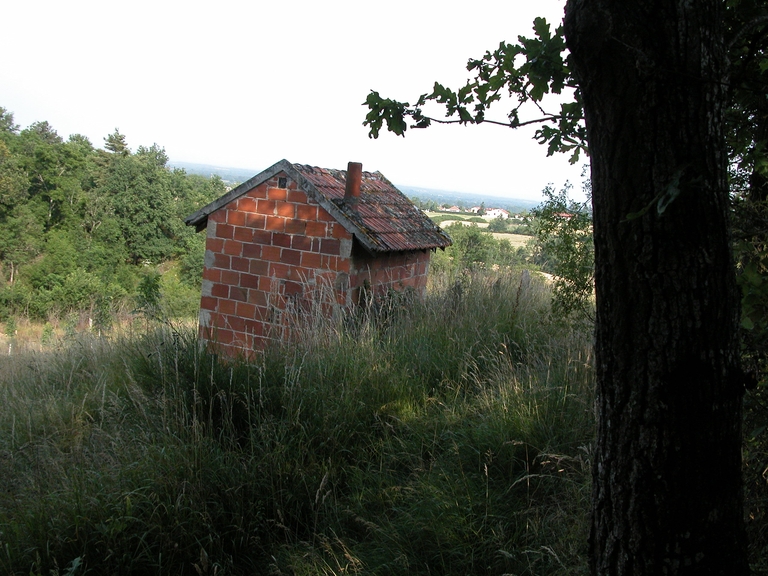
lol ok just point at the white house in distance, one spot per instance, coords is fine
(491, 213)
(496, 213)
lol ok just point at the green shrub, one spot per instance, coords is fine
(10, 327)
(178, 298)
(475, 247)
(498, 224)
(148, 297)
(191, 262)
(565, 248)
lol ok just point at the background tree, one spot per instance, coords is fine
(564, 247)
(141, 193)
(21, 239)
(76, 221)
(116, 143)
(498, 224)
(7, 125)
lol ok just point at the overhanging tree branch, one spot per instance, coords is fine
(526, 72)
(552, 118)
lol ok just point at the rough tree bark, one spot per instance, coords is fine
(667, 490)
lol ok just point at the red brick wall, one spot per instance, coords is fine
(274, 251)
(393, 271)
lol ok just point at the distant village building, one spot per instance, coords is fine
(490, 213)
(297, 236)
(496, 213)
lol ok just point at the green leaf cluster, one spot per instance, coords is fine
(564, 247)
(474, 247)
(524, 72)
(79, 226)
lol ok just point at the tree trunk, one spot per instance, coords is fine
(667, 489)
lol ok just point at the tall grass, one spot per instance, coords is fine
(449, 436)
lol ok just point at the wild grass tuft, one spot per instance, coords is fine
(446, 436)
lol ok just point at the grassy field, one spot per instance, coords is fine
(517, 240)
(450, 436)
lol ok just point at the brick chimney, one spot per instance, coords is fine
(354, 179)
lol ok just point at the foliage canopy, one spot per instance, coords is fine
(79, 226)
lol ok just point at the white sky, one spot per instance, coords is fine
(246, 83)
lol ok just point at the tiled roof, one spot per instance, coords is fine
(383, 215)
(383, 219)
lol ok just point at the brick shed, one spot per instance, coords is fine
(295, 236)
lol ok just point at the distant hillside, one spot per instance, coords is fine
(229, 175)
(233, 176)
(469, 199)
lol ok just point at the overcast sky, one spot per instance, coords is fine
(246, 83)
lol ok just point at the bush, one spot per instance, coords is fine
(475, 247)
(498, 224)
(178, 299)
(191, 262)
(565, 248)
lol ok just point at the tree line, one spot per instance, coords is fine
(81, 227)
